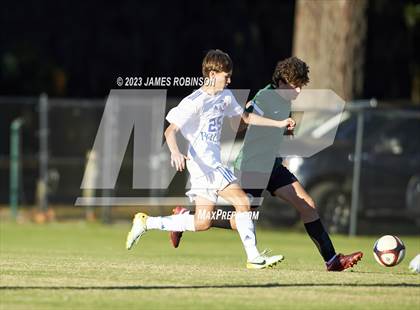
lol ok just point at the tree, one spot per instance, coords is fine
(329, 36)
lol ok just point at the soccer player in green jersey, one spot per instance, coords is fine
(260, 168)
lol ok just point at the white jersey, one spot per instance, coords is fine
(200, 118)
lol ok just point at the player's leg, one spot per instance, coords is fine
(176, 236)
(231, 223)
(224, 223)
(245, 226)
(204, 193)
(179, 222)
(283, 184)
(202, 215)
(217, 222)
(143, 223)
(202, 218)
(234, 194)
(296, 195)
(253, 184)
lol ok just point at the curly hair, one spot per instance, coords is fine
(291, 70)
(216, 60)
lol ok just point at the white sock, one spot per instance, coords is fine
(178, 222)
(190, 225)
(246, 230)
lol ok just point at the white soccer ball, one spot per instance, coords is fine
(389, 251)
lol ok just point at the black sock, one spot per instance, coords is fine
(225, 224)
(321, 239)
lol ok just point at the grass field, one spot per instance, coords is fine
(85, 266)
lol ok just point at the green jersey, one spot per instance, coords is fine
(261, 145)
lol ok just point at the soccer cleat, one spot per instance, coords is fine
(177, 235)
(137, 230)
(342, 262)
(264, 261)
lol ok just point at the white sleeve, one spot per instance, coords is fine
(233, 108)
(183, 113)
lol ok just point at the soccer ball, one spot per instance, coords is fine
(389, 251)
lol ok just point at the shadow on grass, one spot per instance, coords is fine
(177, 287)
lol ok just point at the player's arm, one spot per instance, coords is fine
(256, 120)
(250, 118)
(177, 158)
(237, 123)
(249, 108)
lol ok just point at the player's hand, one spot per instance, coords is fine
(289, 123)
(178, 161)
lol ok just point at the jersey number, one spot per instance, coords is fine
(215, 124)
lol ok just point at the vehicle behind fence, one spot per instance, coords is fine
(53, 160)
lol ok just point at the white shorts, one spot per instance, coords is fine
(207, 186)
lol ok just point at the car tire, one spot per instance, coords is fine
(333, 204)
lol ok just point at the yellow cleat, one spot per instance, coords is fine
(137, 230)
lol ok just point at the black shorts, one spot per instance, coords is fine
(254, 183)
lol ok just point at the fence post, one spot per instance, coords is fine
(355, 192)
(356, 173)
(43, 153)
(108, 158)
(15, 165)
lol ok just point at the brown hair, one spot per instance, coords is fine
(216, 60)
(291, 70)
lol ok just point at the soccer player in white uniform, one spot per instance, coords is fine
(199, 117)
(260, 167)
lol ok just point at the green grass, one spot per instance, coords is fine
(85, 266)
